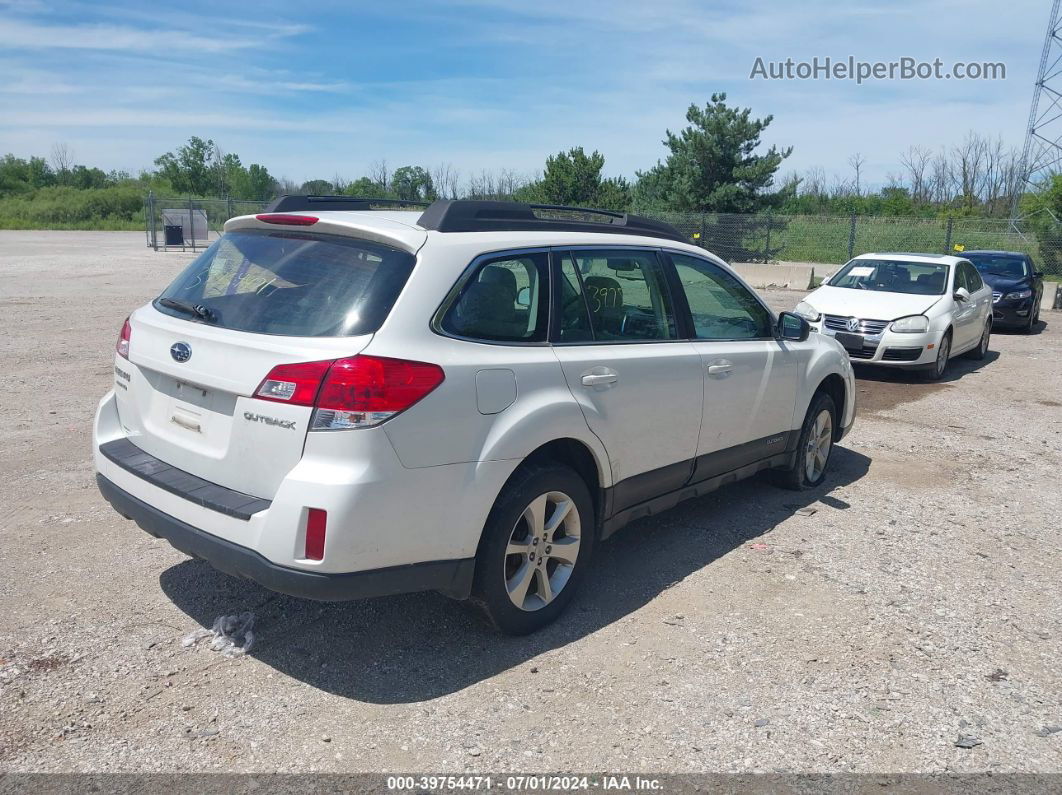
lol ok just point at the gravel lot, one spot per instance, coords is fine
(918, 603)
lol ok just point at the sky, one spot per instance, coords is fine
(318, 89)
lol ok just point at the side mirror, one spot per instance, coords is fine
(793, 327)
(962, 295)
(1038, 274)
(523, 298)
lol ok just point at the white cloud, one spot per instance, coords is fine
(495, 84)
(17, 34)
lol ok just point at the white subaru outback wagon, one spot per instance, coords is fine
(340, 402)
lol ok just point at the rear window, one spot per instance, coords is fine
(292, 284)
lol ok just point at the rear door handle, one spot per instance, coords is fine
(720, 367)
(600, 378)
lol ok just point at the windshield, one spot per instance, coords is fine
(891, 276)
(290, 283)
(1008, 266)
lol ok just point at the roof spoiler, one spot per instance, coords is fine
(291, 204)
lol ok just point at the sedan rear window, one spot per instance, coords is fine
(892, 276)
(291, 284)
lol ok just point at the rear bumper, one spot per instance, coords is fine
(452, 577)
(381, 516)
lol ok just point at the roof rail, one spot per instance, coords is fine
(287, 204)
(466, 215)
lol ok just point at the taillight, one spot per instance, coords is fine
(293, 383)
(123, 340)
(358, 392)
(316, 521)
(289, 220)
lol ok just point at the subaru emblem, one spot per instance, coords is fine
(181, 351)
(852, 324)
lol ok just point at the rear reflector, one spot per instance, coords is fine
(286, 218)
(316, 519)
(123, 340)
(358, 392)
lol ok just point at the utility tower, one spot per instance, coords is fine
(1042, 155)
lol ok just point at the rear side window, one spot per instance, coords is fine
(292, 284)
(504, 299)
(626, 296)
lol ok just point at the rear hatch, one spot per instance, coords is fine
(255, 300)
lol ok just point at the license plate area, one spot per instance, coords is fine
(190, 407)
(850, 342)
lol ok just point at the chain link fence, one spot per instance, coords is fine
(190, 223)
(836, 239)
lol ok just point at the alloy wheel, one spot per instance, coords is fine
(943, 351)
(542, 550)
(820, 442)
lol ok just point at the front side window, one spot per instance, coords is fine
(973, 279)
(892, 276)
(626, 295)
(290, 283)
(960, 278)
(505, 299)
(721, 307)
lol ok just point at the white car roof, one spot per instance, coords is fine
(399, 228)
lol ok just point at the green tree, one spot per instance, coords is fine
(88, 178)
(1042, 211)
(713, 165)
(40, 173)
(574, 178)
(366, 188)
(18, 175)
(412, 183)
(260, 184)
(318, 187)
(228, 173)
(190, 169)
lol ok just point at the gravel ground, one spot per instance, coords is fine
(918, 604)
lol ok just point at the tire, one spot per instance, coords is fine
(940, 368)
(1033, 317)
(981, 350)
(804, 473)
(511, 557)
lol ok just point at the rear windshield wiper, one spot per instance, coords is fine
(195, 310)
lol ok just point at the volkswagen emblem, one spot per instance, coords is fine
(181, 351)
(852, 324)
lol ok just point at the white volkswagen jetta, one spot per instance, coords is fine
(912, 311)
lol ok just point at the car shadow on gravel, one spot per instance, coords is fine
(1038, 328)
(413, 648)
(884, 388)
